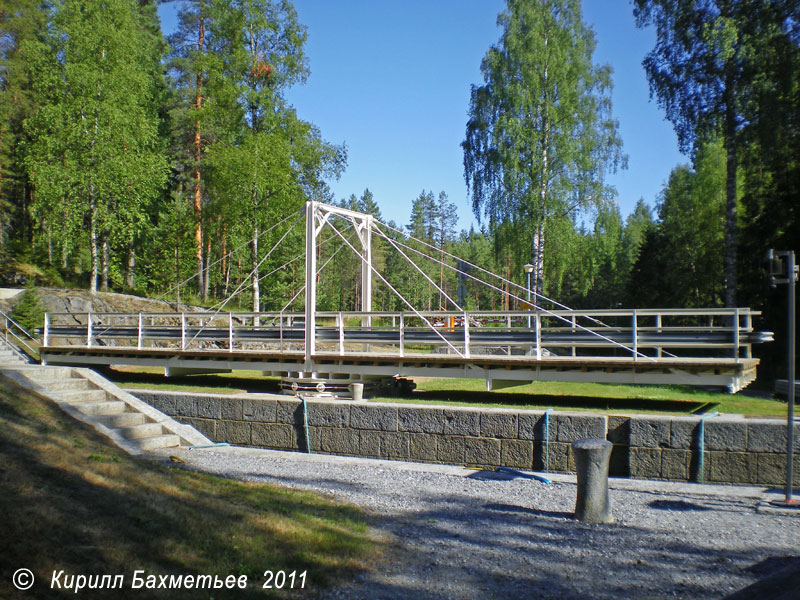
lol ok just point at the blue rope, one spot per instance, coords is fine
(525, 475)
(547, 439)
(305, 425)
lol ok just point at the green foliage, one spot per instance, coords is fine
(28, 310)
(94, 157)
(540, 133)
(682, 259)
(707, 70)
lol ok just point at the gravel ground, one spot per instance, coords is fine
(460, 533)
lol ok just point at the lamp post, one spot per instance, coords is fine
(528, 267)
(783, 269)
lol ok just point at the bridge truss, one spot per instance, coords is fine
(705, 347)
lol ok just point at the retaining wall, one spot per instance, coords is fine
(737, 450)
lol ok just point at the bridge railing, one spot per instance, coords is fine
(643, 334)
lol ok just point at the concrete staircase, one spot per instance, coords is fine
(130, 423)
(9, 356)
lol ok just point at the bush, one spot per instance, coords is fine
(28, 310)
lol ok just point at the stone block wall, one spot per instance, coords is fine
(736, 450)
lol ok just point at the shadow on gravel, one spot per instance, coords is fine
(779, 576)
(463, 547)
(677, 505)
(530, 511)
(317, 482)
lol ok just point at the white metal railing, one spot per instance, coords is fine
(643, 334)
(16, 335)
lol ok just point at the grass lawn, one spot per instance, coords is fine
(597, 397)
(70, 500)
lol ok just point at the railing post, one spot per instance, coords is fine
(183, 331)
(340, 325)
(658, 330)
(402, 334)
(89, 330)
(538, 322)
(635, 335)
(230, 332)
(280, 326)
(508, 324)
(466, 335)
(574, 331)
(736, 333)
(139, 334)
(748, 327)
(46, 336)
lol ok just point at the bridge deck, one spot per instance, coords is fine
(497, 370)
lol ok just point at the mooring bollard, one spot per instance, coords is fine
(357, 390)
(591, 466)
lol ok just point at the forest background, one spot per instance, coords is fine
(172, 166)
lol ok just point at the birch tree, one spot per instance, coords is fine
(540, 134)
(94, 159)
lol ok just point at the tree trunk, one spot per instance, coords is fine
(177, 272)
(198, 150)
(93, 241)
(254, 262)
(537, 256)
(729, 276)
(537, 240)
(206, 274)
(130, 279)
(105, 259)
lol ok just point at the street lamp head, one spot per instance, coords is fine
(528, 267)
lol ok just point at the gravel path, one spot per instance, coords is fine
(459, 533)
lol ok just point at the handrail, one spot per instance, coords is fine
(728, 330)
(30, 347)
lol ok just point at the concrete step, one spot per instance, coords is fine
(83, 396)
(95, 409)
(145, 430)
(126, 419)
(168, 440)
(65, 385)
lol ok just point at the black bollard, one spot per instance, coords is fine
(591, 466)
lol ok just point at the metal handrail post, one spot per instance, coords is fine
(340, 325)
(635, 336)
(402, 334)
(538, 322)
(183, 331)
(139, 334)
(89, 330)
(230, 332)
(658, 330)
(466, 336)
(736, 336)
(46, 335)
(574, 323)
(280, 321)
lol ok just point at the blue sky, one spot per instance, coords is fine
(391, 79)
